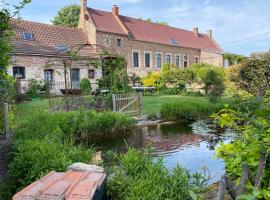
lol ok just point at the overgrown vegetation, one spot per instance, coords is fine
(85, 86)
(189, 109)
(247, 157)
(252, 75)
(138, 176)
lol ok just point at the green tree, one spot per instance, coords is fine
(157, 22)
(6, 33)
(214, 84)
(254, 75)
(68, 16)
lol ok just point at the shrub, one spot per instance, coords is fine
(151, 80)
(85, 86)
(214, 84)
(33, 89)
(139, 177)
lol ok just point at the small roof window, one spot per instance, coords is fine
(62, 47)
(28, 36)
(173, 41)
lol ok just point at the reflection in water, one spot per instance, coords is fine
(176, 143)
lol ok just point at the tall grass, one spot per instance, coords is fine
(192, 108)
(139, 177)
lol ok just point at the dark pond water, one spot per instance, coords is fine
(190, 145)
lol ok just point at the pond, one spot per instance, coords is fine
(190, 145)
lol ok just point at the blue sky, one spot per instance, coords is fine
(230, 20)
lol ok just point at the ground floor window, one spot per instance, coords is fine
(75, 75)
(91, 73)
(168, 59)
(159, 60)
(48, 75)
(135, 59)
(19, 72)
(185, 61)
(177, 60)
(197, 60)
(147, 60)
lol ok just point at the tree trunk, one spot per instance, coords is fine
(261, 167)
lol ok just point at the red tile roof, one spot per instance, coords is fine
(72, 185)
(152, 32)
(46, 37)
(105, 21)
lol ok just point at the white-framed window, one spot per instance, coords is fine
(197, 59)
(185, 60)
(177, 60)
(48, 75)
(19, 72)
(147, 59)
(168, 58)
(119, 42)
(159, 59)
(136, 58)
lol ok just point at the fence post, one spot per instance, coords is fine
(114, 102)
(140, 103)
(6, 120)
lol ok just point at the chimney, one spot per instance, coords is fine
(196, 31)
(209, 33)
(83, 5)
(115, 10)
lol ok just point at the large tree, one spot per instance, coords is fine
(68, 16)
(253, 75)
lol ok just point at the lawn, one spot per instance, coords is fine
(151, 104)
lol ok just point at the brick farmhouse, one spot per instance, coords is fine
(146, 46)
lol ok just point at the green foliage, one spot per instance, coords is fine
(115, 76)
(33, 159)
(234, 59)
(34, 86)
(81, 124)
(214, 84)
(85, 85)
(191, 109)
(252, 125)
(68, 16)
(138, 176)
(253, 75)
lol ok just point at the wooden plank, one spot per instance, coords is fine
(114, 102)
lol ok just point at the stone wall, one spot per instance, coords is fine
(212, 58)
(35, 66)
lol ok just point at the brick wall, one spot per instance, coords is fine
(128, 46)
(212, 58)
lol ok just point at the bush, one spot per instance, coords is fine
(189, 109)
(139, 177)
(214, 84)
(33, 89)
(85, 86)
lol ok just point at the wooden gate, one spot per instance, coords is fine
(130, 104)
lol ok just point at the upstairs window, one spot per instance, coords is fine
(147, 60)
(48, 75)
(177, 60)
(135, 59)
(119, 42)
(19, 72)
(158, 60)
(28, 36)
(168, 59)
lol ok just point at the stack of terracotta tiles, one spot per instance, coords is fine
(71, 185)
